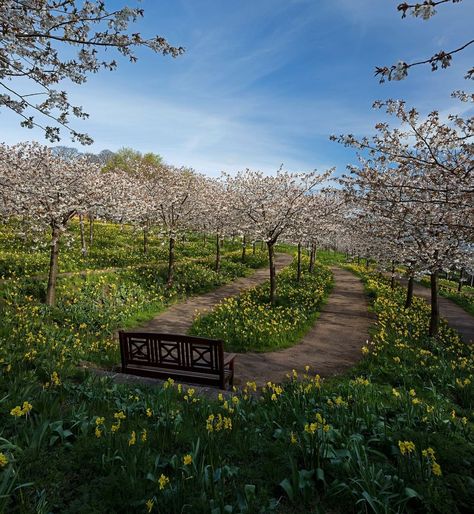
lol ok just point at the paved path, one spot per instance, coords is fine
(330, 347)
(179, 317)
(455, 315)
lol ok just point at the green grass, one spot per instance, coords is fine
(113, 246)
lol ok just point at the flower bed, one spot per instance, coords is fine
(248, 322)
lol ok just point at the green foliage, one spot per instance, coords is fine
(128, 159)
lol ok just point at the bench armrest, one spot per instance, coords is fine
(229, 359)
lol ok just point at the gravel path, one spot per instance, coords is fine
(179, 317)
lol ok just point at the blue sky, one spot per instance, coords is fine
(265, 82)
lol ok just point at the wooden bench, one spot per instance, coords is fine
(180, 357)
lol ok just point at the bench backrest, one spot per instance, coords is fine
(171, 351)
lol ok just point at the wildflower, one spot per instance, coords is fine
(143, 436)
(340, 402)
(364, 350)
(210, 423)
(436, 469)
(406, 447)
(429, 453)
(3, 460)
(55, 380)
(311, 428)
(16, 411)
(395, 393)
(396, 360)
(252, 386)
(360, 381)
(293, 438)
(149, 505)
(187, 459)
(120, 415)
(98, 432)
(115, 426)
(168, 383)
(453, 414)
(149, 412)
(412, 392)
(21, 411)
(133, 439)
(99, 421)
(163, 481)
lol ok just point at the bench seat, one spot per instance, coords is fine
(180, 357)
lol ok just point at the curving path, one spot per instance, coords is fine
(330, 347)
(179, 317)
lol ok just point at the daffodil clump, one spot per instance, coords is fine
(248, 322)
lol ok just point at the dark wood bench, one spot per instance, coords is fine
(180, 357)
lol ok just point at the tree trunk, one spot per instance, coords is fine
(409, 298)
(392, 280)
(366, 263)
(271, 259)
(434, 319)
(53, 267)
(461, 273)
(261, 244)
(312, 258)
(254, 248)
(217, 265)
(204, 239)
(170, 277)
(298, 264)
(91, 230)
(358, 259)
(244, 248)
(145, 240)
(83, 236)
